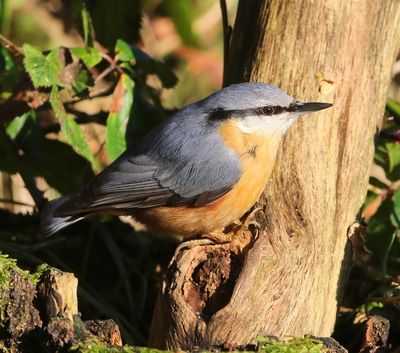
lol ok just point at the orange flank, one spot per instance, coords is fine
(257, 152)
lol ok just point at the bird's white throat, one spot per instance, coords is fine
(266, 125)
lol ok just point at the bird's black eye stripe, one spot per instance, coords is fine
(220, 114)
(268, 110)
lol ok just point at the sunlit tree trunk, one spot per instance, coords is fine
(288, 280)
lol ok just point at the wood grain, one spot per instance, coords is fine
(290, 277)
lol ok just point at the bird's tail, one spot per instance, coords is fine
(50, 223)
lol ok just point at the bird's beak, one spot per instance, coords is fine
(305, 108)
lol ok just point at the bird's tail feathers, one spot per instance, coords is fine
(50, 223)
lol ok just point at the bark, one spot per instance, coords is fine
(58, 294)
(288, 280)
(44, 317)
(376, 335)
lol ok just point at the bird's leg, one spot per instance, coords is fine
(212, 238)
(223, 236)
(191, 243)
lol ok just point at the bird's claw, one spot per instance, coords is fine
(213, 238)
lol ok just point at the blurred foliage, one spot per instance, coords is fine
(384, 195)
(119, 21)
(374, 283)
(56, 134)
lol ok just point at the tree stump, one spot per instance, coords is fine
(288, 279)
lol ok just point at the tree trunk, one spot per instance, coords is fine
(288, 280)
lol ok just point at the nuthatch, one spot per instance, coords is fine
(197, 172)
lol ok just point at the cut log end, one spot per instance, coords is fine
(47, 316)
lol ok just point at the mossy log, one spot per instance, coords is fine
(39, 312)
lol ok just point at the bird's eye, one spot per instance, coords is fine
(268, 110)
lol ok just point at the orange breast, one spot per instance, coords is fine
(257, 154)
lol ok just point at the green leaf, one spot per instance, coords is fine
(387, 155)
(41, 156)
(2, 12)
(14, 127)
(394, 156)
(57, 105)
(394, 109)
(380, 230)
(82, 82)
(118, 118)
(75, 137)
(6, 60)
(88, 30)
(44, 71)
(123, 51)
(10, 73)
(73, 132)
(89, 56)
(395, 217)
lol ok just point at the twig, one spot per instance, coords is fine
(113, 66)
(107, 71)
(112, 62)
(10, 46)
(20, 203)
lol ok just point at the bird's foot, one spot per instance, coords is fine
(246, 222)
(256, 226)
(212, 238)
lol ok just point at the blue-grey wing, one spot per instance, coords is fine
(194, 168)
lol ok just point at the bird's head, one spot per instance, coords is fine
(257, 107)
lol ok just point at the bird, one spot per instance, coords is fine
(197, 172)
